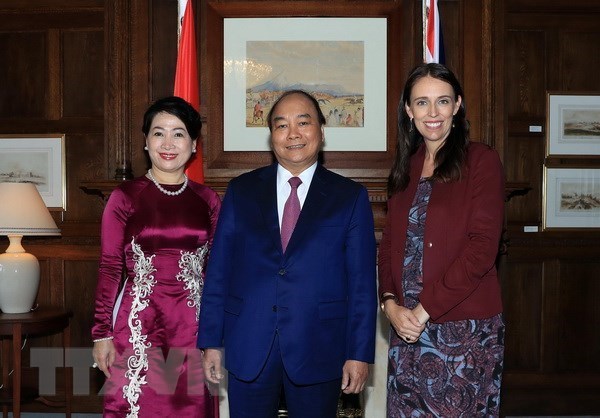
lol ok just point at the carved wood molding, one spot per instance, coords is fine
(100, 188)
(117, 102)
(513, 189)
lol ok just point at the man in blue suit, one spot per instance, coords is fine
(299, 315)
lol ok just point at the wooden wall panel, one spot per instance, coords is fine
(547, 48)
(525, 166)
(574, 62)
(451, 21)
(85, 153)
(552, 6)
(163, 47)
(83, 79)
(525, 67)
(566, 379)
(46, 286)
(579, 316)
(24, 59)
(80, 285)
(522, 299)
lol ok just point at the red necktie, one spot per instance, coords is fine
(291, 212)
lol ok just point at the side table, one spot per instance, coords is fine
(14, 326)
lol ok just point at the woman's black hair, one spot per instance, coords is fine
(177, 107)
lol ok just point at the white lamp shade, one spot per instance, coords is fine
(22, 212)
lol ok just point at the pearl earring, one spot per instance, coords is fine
(146, 148)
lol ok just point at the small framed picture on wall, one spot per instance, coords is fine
(573, 124)
(37, 159)
(571, 198)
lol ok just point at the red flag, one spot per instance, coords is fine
(188, 88)
(433, 46)
(186, 83)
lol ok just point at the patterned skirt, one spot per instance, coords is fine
(454, 370)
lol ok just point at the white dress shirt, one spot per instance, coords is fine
(284, 188)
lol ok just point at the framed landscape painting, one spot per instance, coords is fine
(573, 124)
(38, 159)
(571, 198)
(340, 61)
(347, 55)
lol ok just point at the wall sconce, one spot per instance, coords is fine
(22, 212)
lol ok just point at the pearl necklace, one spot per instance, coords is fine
(165, 191)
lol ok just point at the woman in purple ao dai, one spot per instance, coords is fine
(155, 238)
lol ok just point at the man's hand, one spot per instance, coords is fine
(212, 364)
(104, 354)
(354, 376)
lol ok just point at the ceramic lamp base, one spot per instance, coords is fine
(19, 281)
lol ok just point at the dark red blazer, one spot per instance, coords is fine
(462, 234)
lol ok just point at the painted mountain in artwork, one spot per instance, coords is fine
(280, 83)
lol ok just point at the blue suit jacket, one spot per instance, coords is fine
(320, 296)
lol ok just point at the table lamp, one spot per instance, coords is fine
(22, 212)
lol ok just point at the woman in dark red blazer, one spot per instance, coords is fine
(438, 283)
